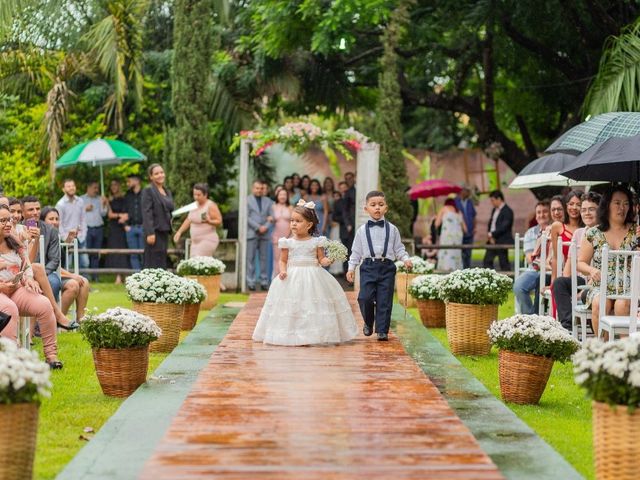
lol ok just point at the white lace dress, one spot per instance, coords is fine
(309, 306)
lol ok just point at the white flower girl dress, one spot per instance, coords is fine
(307, 307)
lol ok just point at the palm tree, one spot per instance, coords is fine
(616, 87)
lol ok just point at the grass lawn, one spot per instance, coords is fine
(77, 401)
(563, 417)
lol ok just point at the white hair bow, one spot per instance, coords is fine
(302, 203)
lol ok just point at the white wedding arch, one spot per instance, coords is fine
(299, 137)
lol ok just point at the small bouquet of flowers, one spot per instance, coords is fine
(201, 266)
(23, 377)
(336, 251)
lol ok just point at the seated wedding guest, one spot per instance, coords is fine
(528, 281)
(74, 287)
(566, 229)
(36, 227)
(20, 231)
(562, 285)
(616, 228)
(20, 293)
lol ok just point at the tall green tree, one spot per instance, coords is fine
(388, 123)
(190, 138)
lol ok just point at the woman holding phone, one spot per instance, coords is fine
(157, 204)
(202, 223)
(20, 294)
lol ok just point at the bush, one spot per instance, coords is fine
(610, 371)
(476, 286)
(426, 287)
(119, 328)
(201, 266)
(24, 378)
(534, 334)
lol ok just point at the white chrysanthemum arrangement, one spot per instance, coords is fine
(419, 266)
(426, 287)
(193, 292)
(201, 266)
(476, 286)
(533, 334)
(155, 285)
(336, 251)
(119, 328)
(610, 371)
(24, 378)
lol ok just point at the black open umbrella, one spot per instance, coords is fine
(615, 160)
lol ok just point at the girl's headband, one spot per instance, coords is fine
(309, 205)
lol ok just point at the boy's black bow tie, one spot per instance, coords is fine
(379, 223)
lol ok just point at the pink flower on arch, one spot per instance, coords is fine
(353, 145)
(261, 150)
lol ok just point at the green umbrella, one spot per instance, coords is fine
(597, 130)
(99, 153)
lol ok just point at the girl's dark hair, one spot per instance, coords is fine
(605, 202)
(330, 180)
(285, 191)
(46, 211)
(315, 181)
(451, 203)
(12, 242)
(309, 214)
(202, 187)
(567, 198)
(560, 198)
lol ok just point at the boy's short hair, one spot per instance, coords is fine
(374, 193)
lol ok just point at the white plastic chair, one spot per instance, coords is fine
(581, 314)
(24, 323)
(619, 324)
(520, 263)
(544, 299)
(69, 250)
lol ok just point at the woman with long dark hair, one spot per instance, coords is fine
(157, 205)
(616, 228)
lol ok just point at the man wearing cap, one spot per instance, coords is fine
(465, 206)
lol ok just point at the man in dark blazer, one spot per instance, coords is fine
(36, 227)
(258, 238)
(500, 226)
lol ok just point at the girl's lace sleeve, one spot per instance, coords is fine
(322, 242)
(284, 243)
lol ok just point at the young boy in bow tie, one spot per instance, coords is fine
(376, 247)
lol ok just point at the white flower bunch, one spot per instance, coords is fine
(155, 285)
(426, 287)
(336, 251)
(534, 334)
(300, 129)
(610, 371)
(193, 292)
(24, 378)
(201, 266)
(476, 286)
(418, 265)
(119, 328)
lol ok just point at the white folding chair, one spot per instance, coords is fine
(627, 287)
(68, 250)
(520, 263)
(544, 299)
(581, 314)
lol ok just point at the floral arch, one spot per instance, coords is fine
(298, 137)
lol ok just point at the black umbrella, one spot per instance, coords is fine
(615, 160)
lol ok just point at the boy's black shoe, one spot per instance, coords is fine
(367, 330)
(383, 337)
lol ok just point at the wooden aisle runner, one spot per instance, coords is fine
(362, 410)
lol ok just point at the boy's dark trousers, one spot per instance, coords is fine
(377, 280)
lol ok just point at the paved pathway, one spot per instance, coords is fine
(355, 411)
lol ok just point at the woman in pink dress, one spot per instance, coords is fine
(281, 213)
(202, 223)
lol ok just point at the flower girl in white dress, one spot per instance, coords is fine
(305, 304)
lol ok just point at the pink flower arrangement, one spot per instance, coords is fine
(261, 150)
(353, 145)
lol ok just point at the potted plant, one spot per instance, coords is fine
(119, 340)
(610, 373)
(425, 289)
(24, 380)
(529, 344)
(472, 297)
(207, 272)
(194, 295)
(405, 276)
(160, 295)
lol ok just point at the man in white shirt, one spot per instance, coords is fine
(73, 222)
(95, 207)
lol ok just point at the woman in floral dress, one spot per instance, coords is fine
(453, 228)
(616, 229)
